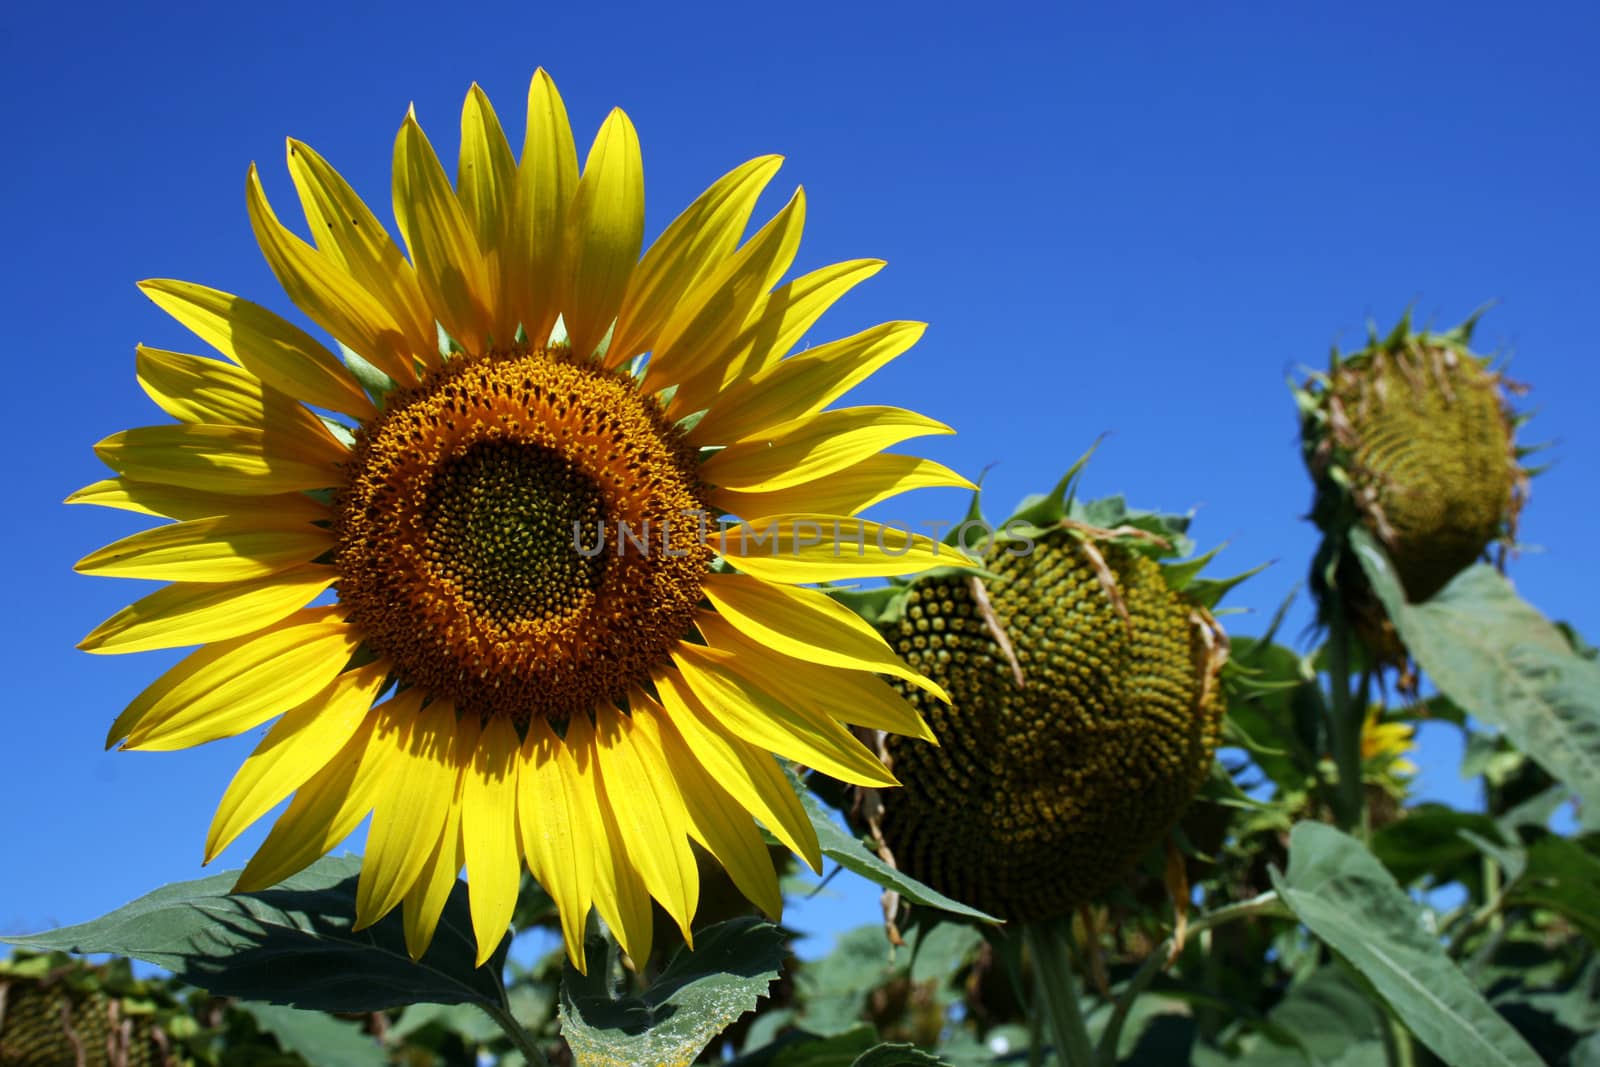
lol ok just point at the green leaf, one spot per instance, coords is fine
(941, 951)
(290, 944)
(1427, 843)
(1565, 878)
(1506, 664)
(1323, 1021)
(896, 1054)
(317, 1038)
(839, 1050)
(698, 995)
(833, 988)
(1344, 895)
(852, 854)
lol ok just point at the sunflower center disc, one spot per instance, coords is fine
(518, 534)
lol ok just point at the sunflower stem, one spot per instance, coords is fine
(1048, 943)
(520, 1038)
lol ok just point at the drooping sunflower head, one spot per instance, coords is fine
(525, 570)
(1413, 439)
(1085, 706)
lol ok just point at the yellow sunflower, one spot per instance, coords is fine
(545, 643)
(1386, 745)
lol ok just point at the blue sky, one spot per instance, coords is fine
(1123, 219)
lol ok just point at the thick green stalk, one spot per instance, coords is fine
(1049, 945)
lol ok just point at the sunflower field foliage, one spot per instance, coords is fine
(534, 559)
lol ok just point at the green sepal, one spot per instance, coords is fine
(377, 384)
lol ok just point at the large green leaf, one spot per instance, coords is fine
(1344, 895)
(291, 944)
(853, 854)
(698, 995)
(1323, 1021)
(1506, 664)
(318, 1038)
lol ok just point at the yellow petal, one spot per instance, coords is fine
(324, 810)
(298, 746)
(812, 447)
(486, 185)
(605, 230)
(196, 389)
(855, 697)
(546, 180)
(749, 712)
(751, 777)
(333, 299)
(619, 893)
(347, 232)
(844, 492)
(226, 688)
(222, 549)
(704, 235)
(221, 459)
(803, 384)
(650, 815)
(489, 832)
(192, 613)
(821, 548)
(715, 819)
(449, 263)
(411, 804)
(807, 625)
(173, 502)
(425, 900)
(713, 312)
(773, 327)
(558, 831)
(277, 352)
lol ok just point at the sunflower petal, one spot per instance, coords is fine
(347, 232)
(489, 832)
(844, 492)
(700, 238)
(196, 389)
(854, 697)
(650, 814)
(807, 625)
(558, 831)
(298, 746)
(192, 613)
(821, 548)
(411, 804)
(712, 313)
(605, 230)
(755, 715)
(173, 502)
(220, 549)
(425, 900)
(486, 185)
(619, 893)
(802, 384)
(277, 352)
(716, 821)
(226, 688)
(449, 263)
(752, 778)
(773, 327)
(333, 299)
(812, 447)
(221, 459)
(546, 180)
(325, 809)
